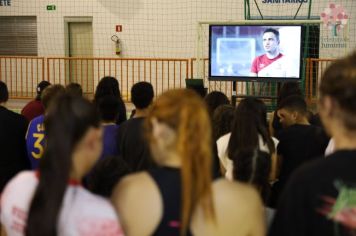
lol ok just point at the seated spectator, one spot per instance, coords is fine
(52, 200)
(74, 89)
(109, 86)
(299, 141)
(180, 197)
(249, 129)
(109, 111)
(35, 107)
(319, 196)
(132, 145)
(35, 136)
(12, 140)
(106, 174)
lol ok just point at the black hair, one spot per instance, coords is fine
(222, 120)
(109, 86)
(288, 89)
(66, 122)
(108, 108)
(142, 94)
(106, 174)
(4, 93)
(249, 123)
(215, 99)
(274, 31)
(294, 103)
(40, 88)
(74, 89)
(339, 83)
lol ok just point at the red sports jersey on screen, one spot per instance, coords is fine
(262, 62)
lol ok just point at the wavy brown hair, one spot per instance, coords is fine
(186, 113)
(339, 82)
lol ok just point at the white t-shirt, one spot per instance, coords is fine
(223, 143)
(82, 213)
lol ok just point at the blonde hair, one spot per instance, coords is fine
(186, 113)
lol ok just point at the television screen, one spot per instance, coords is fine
(255, 52)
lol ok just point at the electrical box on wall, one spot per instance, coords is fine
(118, 28)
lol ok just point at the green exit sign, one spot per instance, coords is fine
(51, 7)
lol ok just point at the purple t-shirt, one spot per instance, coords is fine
(109, 141)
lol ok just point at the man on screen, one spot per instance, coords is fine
(271, 63)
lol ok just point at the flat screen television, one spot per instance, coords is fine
(255, 52)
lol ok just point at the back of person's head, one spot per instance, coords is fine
(107, 86)
(142, 94)
(222, 120)
(4, 93)
(294, 103)
(74, 89)
(288, 89)
(50, 94)
(41, 87)
(215, 99)
(339, 84)
(274, 31)
(106, 173)
(68, 121)
(185, 112)
(109, 108)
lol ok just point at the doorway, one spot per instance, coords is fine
(79, 46)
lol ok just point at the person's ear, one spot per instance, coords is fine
(162, 132)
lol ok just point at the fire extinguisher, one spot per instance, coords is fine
(116, 40)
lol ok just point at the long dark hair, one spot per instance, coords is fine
(250, 164)
(109, 86)
(66, 123)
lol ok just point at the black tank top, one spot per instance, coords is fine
(168, 181)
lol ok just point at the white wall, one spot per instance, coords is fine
(160, 28)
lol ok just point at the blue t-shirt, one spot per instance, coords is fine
(35, 140)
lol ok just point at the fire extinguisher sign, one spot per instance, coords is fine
(118, 28)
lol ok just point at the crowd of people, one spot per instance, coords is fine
(182, 164)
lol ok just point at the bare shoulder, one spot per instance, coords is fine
(233, 190)
(137, 201)
(238, 211)
(132, 186)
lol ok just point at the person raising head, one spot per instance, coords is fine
(180, 196)
(269, 64)
(52, 201)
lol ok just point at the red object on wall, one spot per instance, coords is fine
(118, 28)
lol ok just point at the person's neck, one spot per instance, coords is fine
(272, 55)
(171, 159)
(344, 139)
(302, 121)
(78, 170)
(140, 113)
(3, 104)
